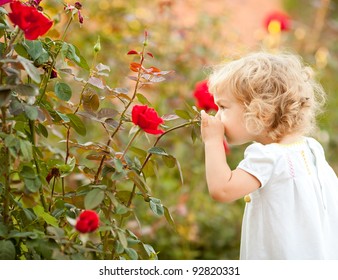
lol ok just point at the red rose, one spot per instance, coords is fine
(282, 18)
(32, 22)
(3, 2)
(203, 97)
(147, 119)
(88, 221)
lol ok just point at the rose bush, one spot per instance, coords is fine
(56, 181)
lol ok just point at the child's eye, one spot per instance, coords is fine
(221, 107)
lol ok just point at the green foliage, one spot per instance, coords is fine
(64, 140)
(55, 112)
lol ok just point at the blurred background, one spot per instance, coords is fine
(189, 36)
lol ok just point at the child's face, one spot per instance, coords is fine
(231, 114)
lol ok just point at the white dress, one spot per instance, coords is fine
(294, 214)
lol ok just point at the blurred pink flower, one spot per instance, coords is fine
(282, 18)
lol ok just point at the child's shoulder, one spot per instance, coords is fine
(275, 150)
(259, 150)
(314, 144)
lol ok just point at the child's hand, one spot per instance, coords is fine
(212, 129)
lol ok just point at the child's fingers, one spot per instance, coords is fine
(204, 116)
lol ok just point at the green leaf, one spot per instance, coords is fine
(77, 124)
(139, 182)
(26, 149)
(156, 206)
(66, 168)
(63, 91)
(27, 172)
(169, 218)
(36, 51)
(33, 185)
(43, 130)
(131, 253)
(93, 198)
(180, 171)
(123, 196)
(63, 117)
(68, 50)
(183, 114)
(27, 90)
(157, 151)
(16, 107)
(143, 99)
(169, 161)
(31, 70)
(118, 247)
(7, 250)
(73, 53)
(24, 234)
(3, 230)
(11, 141)
(31, 112)
(120, 209)
(118, 165)
(49, 219)
(123, 239)
(150, 251)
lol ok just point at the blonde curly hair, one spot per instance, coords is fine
(278, 91)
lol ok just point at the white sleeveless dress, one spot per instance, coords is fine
(294, 214)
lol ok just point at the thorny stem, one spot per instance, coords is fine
(97, 175)
(6, 172)
(68, 137)
(32, 131)
(154, 145)
(11, 42)
(51, 194)
(130, 142)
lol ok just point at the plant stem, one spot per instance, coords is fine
(51, 195)
(67, 144)
(11, 42)
(130, 142)
(6, 173)
(97, 175)
(32, 131)
(154, 145)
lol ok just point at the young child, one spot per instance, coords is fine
(291, 191)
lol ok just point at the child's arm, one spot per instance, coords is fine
(224, 184)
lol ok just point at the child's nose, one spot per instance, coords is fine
(218, 115)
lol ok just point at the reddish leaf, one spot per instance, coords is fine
(152, 69)
(134, 66)
(150, 54)
(132, 52)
